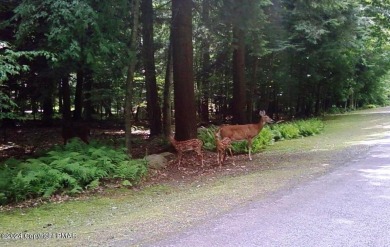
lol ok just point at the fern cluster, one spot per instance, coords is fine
(69, 170)
(296, 129)
(268, 135)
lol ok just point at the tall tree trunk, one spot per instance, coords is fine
(153, 104)
(185, 108)
(205, 97)
(167, 105)
(251, 84)
(47, 103)
(66, 114)
(88, 110)
(60, 97)
(239, 86)
(78, 99)
(130, 72)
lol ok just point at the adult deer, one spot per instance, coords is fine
(245, 131)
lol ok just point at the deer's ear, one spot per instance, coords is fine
(262, 113)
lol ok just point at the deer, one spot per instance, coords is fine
(245, 131)
(222, 145)
(70, 130)
(187, 145)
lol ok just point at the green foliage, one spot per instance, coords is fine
(68, 170)
(369, 106)
(288, 131)
(10, 61)
(265, 138)
(309, 127)
(207, 136)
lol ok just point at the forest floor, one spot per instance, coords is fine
(174, 199)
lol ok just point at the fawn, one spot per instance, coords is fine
(222, 145)
(188, 145)
(70, 130)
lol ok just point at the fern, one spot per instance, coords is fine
(94, 184)
(66, 170)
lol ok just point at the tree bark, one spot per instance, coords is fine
(167, 105)
(153, 104)
(88, 81)
(66, 114)
(78, 99)
(184, 95)
(205, 97)
(47, 103)
(251, 84)
(130, 72)
(239, 86)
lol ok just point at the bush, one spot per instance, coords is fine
(309, 127)
(69, 170)
(289, 130)
(207, 135)
(369, 106)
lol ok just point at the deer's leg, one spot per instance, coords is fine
(231, 154)
(224, 155)
(219, 157)
(179, 156)
(199, 151)
(250, 148)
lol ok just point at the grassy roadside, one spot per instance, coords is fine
(127, 217)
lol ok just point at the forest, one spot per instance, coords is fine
(190, 62)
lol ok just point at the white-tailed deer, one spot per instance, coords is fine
(188, 145)
(222, 145)
(245, 131)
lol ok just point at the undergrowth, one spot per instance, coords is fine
(269, 134)
(68, 169)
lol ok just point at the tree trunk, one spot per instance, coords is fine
(60, 97)
(252, 83)
(66, 114)
(153, 105)
(239, 86)
(78, 99)
(88, 110)
(47, 102)
(185, 108)
(167, 105)
(205, 97)
(130, 72)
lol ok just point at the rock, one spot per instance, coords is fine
(157, 161)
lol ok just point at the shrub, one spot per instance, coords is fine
(369, 106)
(207, 135)
(309, 127)
(288, 130)
(68, 170)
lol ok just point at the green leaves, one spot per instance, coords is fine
(69, 170)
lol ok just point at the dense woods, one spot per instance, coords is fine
(194, 61)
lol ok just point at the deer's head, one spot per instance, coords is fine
(265, 118)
